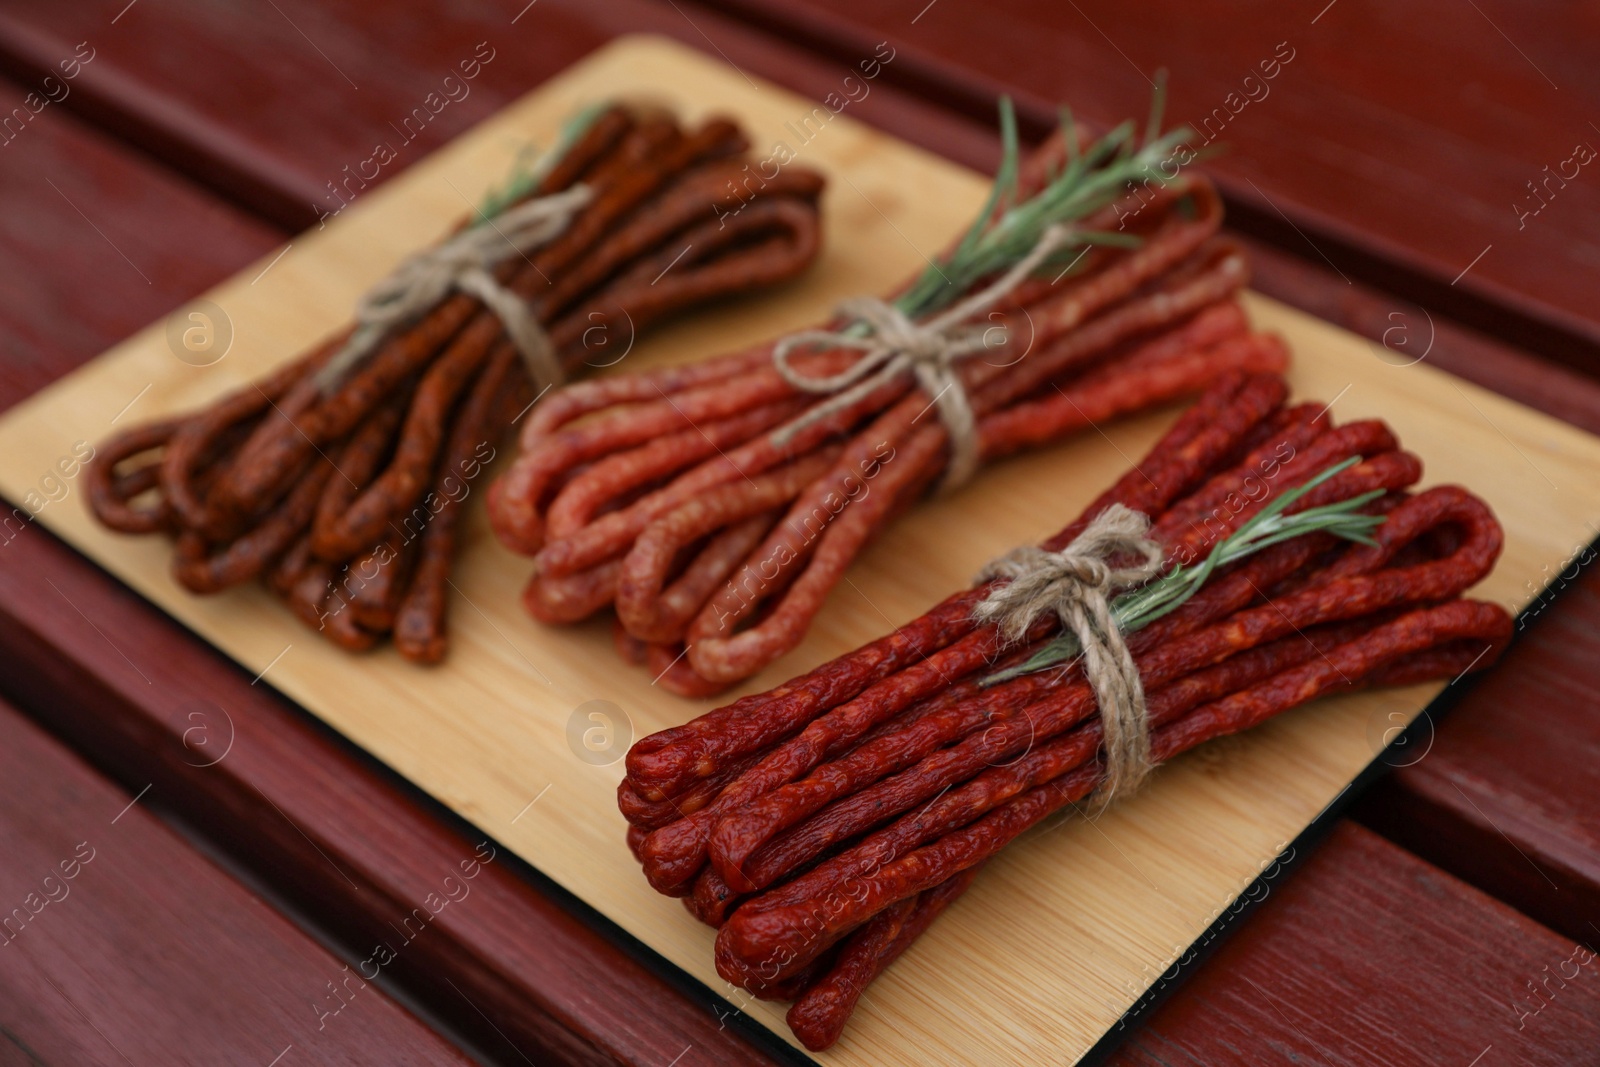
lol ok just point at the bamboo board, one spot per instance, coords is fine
(1064, 931)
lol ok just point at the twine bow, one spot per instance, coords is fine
(465, 262)
(891, 344)
(1077, 584)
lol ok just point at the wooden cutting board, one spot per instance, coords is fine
(1075, 921)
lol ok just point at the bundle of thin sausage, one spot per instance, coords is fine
(340, 478)
(824, 824)
(715, 506)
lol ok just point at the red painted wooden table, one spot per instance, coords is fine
(1382, 182)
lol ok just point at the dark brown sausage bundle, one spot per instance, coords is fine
(344, 486)
(827, 821)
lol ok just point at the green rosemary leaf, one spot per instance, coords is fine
(530, 167)
(1005, 185)
(1138, 608)
(517, 185)
(1069, 134)
(1158, 105)
(1006, 229)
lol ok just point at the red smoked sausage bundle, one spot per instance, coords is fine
(823, 824)
(681, 499)
(343, 486)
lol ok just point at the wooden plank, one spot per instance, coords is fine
(277, 134)
(136, 90)
(1502, 790)
(1369, 956)
(450, 730)
(1506, 792)
(1326, 295)
(94, 245)
(269, 103)
(120, 944)
(1304, 285)
(352, 851)
(1402, 332)
(1400, 139)
(277, 156)
(515, 971)
(1502, 793)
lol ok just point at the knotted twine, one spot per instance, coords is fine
(1077, 584)
(466, 263)
(891, 344)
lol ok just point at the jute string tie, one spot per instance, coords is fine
(891, 345)
(1077, 584)
(466, 263)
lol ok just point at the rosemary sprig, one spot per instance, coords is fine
(530, 167)
(1138, 608)
(1005, 230)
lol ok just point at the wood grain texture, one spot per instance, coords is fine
(94, 245)
(1369, 956)
(120, 944)
(258, 102)
(1400, 138)
(556, 988)
(1403, 331)
(510, 967)
(486, 735)
(1414, 130)
(282, 130)
(1502, 792)
(1311, 287)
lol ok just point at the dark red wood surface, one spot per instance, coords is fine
(151, 705)
(1397, 143)
(1503, 788)
(268, 103)
(1369, 956)
(510, 965)
(93, 245)
(1506, 796)
(348, 847)
(120, 944)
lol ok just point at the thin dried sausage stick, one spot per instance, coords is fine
(201, 571)
(359, 461)
(674, 854)
(818, 1015)
(1120, 390)
(575, 596)
(459, 320)
(193, 447)
(610, 479)
(773, 941)
(1011, 731)
(376, 582)
(419, 626)
(111, 498)
(691, 197)
(586, 397)
(665, 762)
